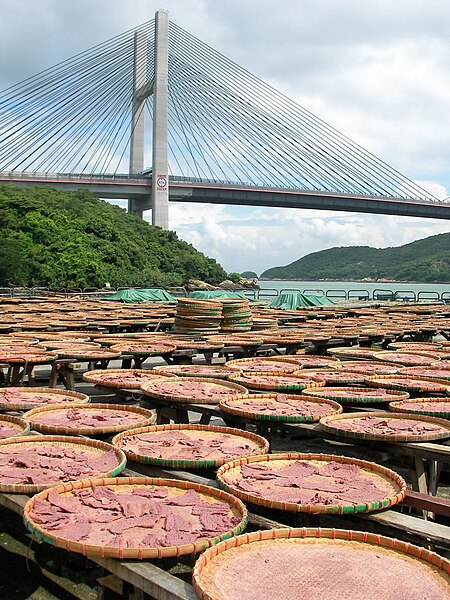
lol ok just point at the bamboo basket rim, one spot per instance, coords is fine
(79, 396)
(384, 472)
(186, 463)
(443, 414)
(377, 381)
(330, 393)
(137, 553)
(23, 424)
(326, 424)
(91, 377)
(29, 488)
(317, 382)
(224, 405)
(300, 534)
(148, 418)
(187, 400)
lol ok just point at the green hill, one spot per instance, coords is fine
(71, 239)
(423, 260)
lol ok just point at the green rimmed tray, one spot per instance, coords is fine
(408, 359)
(24, 398)
(143, 349)
(259, 365)
(130, 416)
(128, 379)
(208, 433)
(325, 563)
(357, 395)
(370, 366)
(11, 426)
(430, 372)
(237, 512)
(415, 384)
(432, 407)
(185, 389)
(210, 371)
(281, 382)
(436, 429)
(233, 406)
(337, 377)
(86, 447)
(392, 486)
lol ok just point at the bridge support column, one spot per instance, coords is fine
(160, 174)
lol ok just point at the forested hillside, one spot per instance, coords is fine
(71, 239)
(423, 260)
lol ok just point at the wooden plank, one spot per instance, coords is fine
(436, 505)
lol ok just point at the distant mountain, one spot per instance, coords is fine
(423, 260)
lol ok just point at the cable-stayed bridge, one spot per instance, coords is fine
(212, 132)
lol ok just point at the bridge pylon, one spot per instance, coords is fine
(142, 89)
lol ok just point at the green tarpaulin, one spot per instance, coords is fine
(145, 295)
(294, 300)
(211, 294)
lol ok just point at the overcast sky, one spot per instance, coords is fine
(377, 70)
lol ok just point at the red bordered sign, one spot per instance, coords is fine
(161, 182)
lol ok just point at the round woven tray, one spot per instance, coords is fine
(229, 477)
(233, 406)
(354, 352)
(99, 354)
(260, 444)
(356, 395)
(409, 359)
(11, 426)
(154, 389)
(433, 407)
(260, 365)
(430, 372)
(20, 397)
(336, 377)
(322, 563)
(34, 416)
(331, 425)
(99, 377)
(130, 484)
(138, 349)
(37, 358)
(288, 382)
(406, 383)
(31, 443)
(370, 366)
(211, 371)
(316, 362)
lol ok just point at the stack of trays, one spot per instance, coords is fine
(196, 316)
(236, 315)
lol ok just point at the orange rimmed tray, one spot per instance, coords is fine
(370, 367)
(203, 441)
(386, 426)
(416, 384)
(88, 419)
(88, 355)
(282, 382)
(405, 358)
(308, 479)
(433, 407)
(11, 426)
(145, 503)
(210, 371)
(288, 408)
(357, 395)
(318, 563)
(127, 379)
(57, 451)
(25, 398)
(260, 365)
(141, 349)
(191, 390)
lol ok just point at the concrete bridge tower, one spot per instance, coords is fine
(142, 89)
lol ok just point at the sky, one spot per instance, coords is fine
(376, 70)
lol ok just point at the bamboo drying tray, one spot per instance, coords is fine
(97, 376)
(416, 384)
(433, 407)
(147, 417)
(373, 471)
(154, 389)
(281, 382)
(260, 443)
(331, 425)
(173, 486)
(22, 404)
(93, 447)
(232, 406)
(21, 426)
(355, 395)
(234, 567)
